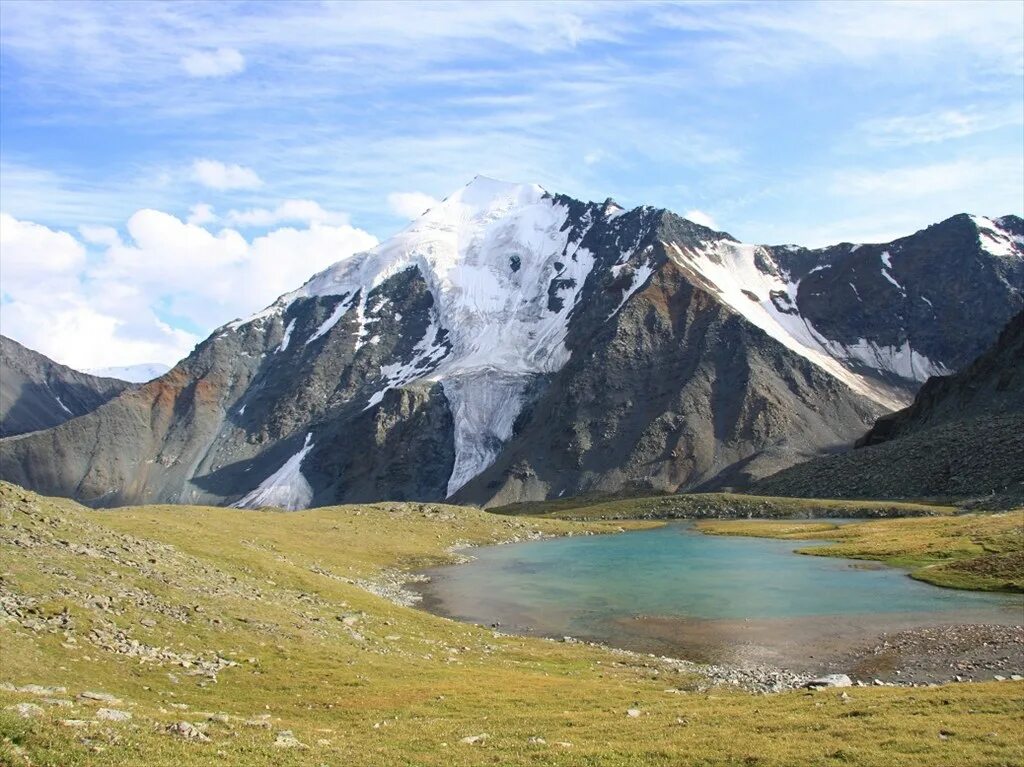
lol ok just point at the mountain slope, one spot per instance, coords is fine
(512, 345)
(37, 393)
(962, 436)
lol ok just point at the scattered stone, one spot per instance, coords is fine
(187, 730)
(61, 702)
(38, 689)
(829, 680)
(472, 740)
(101, 697)
(75, 723)
(113, 715)
(286, 739)
(999, 678)
(537, 741)
(26, 710)
(633, 712)
(147, 622)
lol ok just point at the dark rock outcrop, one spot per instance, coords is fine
(963, 436)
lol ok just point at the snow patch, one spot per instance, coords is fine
(287, 336)
(640, 276)
(996, 241)
(64, 407)
(286, 488)
(330, 322)
(729, 268)
(886, 266)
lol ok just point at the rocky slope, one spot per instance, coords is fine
(962, 436)
(516, 345)
(37, 393)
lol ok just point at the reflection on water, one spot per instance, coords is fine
(675, 591)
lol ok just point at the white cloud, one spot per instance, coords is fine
(219, 63)
(29, 251)
(201, 213)
(220, 176)
(702, 218)
(304, 211)
(114, 308)
(410, 204)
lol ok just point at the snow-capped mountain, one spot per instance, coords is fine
(141, 373)
(511, 344)
(37, 393)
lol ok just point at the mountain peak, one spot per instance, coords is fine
(484, 193)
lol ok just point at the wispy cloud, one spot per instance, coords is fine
(219, 63)
(938, 126)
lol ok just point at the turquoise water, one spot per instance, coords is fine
(592, 586)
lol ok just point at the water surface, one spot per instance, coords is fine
(675, 591)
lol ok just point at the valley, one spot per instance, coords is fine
(245, 637)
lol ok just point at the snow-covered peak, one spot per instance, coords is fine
(141, 373)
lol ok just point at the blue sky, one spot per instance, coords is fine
(167, 167)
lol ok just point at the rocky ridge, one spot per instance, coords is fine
(514, 345)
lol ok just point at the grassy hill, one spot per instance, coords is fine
(255, 638)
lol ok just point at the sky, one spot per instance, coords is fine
(168, 167)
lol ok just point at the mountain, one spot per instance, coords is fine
(140, 373)
(37, 393)
(962, 436)
(511, 344)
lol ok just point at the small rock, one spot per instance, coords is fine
(75, 723)
(286, 739)
(537, 741)
(101, 697)
(471, 740)
(38, 689)
(1016, 677)
(999, 678)
(829, 680)
(62, 702)
(26, 710)
(113, 715)
(148, 622)
(633, 712)
(187, 730)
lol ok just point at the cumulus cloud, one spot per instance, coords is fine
(702, 218)
(304, 211)
(410, 204)
(152, 294)
(221, 62)
(222, 177)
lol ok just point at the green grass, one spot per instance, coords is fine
(718, 504)
(399, 686)
(983, 552)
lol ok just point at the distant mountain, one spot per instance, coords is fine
(513, 345)
(37, 393)
(962, 436)
(141, 373)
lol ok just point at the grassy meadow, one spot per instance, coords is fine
(237, 637)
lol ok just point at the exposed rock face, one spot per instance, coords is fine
(37, 393)
(962, 436)
(513, 345)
